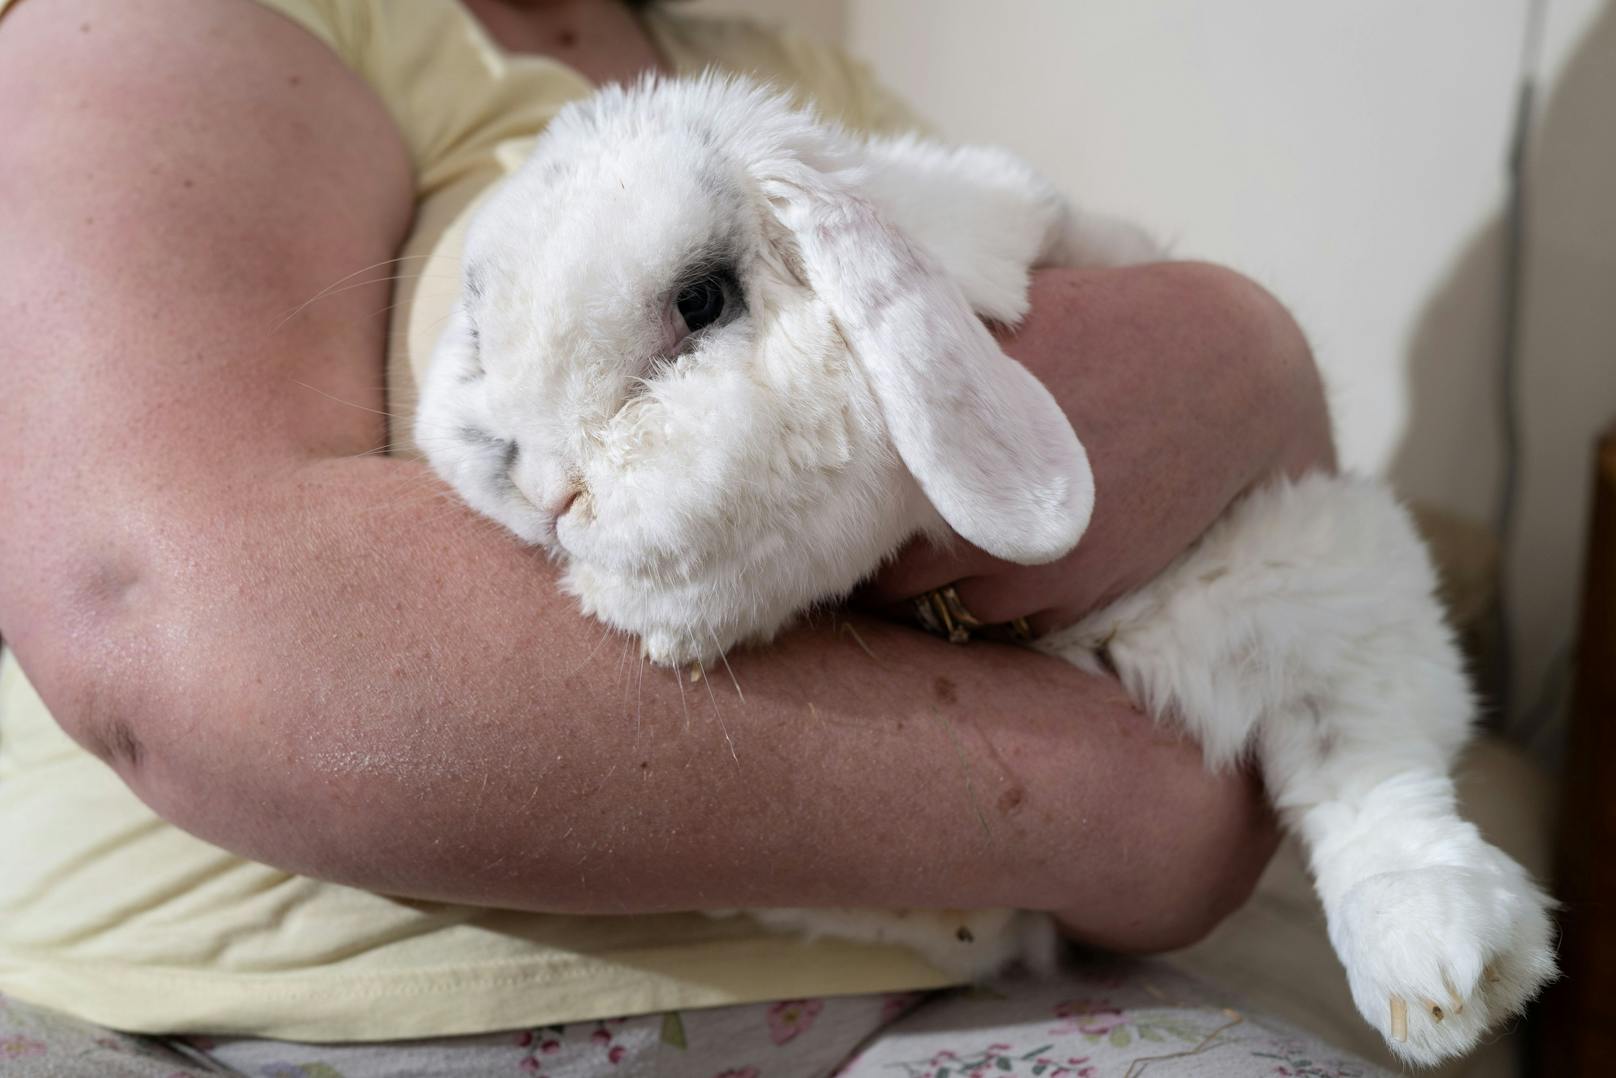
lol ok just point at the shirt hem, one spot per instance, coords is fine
(334, 1007)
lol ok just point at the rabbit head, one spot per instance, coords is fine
(694, 362)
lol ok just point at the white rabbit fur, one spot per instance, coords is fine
(704, 489)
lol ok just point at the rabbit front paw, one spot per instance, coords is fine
(1438, 955)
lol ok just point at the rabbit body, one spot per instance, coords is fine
(723, 359)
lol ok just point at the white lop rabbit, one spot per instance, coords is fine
(722, 359)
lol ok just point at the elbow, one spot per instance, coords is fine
(1264, 361)
(118, 681)
(1196, 908)
(91, 654)
(1204, 870)
(1219, 876)
(88, 702)
(1249, 845)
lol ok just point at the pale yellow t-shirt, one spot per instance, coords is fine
(109, 913)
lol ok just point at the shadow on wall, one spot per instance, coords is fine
(1450, 453)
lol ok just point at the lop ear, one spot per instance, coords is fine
(986, 441)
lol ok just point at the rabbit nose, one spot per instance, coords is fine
(547, 485)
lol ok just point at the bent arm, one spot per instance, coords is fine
(1189, 384)
(317, 658)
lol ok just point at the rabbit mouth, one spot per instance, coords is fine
(562, 509)
(562, 505)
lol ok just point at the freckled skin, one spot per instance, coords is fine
(1010, 801)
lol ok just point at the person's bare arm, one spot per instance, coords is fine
(317, 658)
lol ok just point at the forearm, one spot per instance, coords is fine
(360, 681)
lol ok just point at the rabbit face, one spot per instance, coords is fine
(694, 360)
(611, 385)
(637, 381)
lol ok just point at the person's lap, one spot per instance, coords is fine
(1124, 1018)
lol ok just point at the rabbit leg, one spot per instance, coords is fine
(988, 219)
(1303, 627)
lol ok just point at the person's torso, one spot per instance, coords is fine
(110, 913)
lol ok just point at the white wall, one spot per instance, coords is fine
(1341, 159)
(1349, 154)
(825, 19)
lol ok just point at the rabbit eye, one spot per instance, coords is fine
(701, 302)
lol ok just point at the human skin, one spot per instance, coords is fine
(310, 653)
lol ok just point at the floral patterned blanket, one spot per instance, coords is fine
(1099, 1019)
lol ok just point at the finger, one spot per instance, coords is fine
(993, 601)
(922, 566)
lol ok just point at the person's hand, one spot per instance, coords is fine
(1174, 434)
